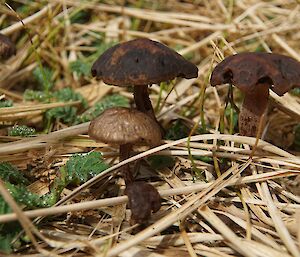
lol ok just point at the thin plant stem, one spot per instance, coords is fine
(202, 114)
(216, 164)
(37, 56)
(161, 89)
(165, 100)
(222, 122)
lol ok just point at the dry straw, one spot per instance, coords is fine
(251, 208)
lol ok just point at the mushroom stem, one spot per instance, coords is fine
(252, 110)
(142, 100)
(125, 150)
(143, 103)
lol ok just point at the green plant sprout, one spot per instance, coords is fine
(21, 131)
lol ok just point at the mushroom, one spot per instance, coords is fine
(127, 127)
(139, 63)
(143, 198)
(254, 74)
(7, 48)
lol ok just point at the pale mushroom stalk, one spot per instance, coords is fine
(125, 150)
(254, 106)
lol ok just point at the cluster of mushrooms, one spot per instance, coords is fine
(142, 62)
(137, 63)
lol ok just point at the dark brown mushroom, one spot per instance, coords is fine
(254, 74)
(143, 199)
(139, 63)
(127, 127)
(7, 48)
(289, 69)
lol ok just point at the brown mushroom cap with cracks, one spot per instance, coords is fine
(7, 48)
(254, 74)
(120, 125)
(139, 63)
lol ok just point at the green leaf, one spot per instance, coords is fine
(40, 96)
(5, 242)
(43, 75)
(80, 67)
(206, 159)
(9, 173)
(21, 194)
(16, 184)
(105, 103)
(295, 91)
(177, 130)
(66, 114)
(161, 161)
(4, 208)
(21, 131)
(68, 94)
(7, 232)
(9, 237)
(6, 103)
(81, 16)
(79, 168)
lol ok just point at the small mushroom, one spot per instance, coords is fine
(127, 127)
(139, 63)
(143, 199)
(7, 48)
(254, 74)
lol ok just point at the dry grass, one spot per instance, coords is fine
(246, 207)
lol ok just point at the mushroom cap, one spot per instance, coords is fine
(120, 125)
(7, 48)
(290, 72)
(141, 62)
(143, 199)
(246, 70)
